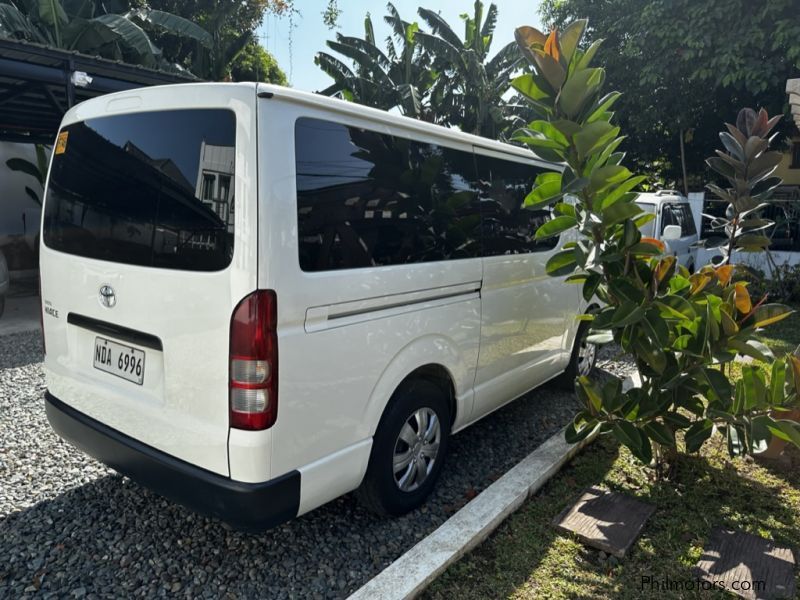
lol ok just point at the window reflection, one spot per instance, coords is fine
(370, 199)
(150, 189)
(508, 227)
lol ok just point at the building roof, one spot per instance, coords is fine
(38, 84)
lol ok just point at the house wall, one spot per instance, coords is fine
(19, 214)
(784, 171)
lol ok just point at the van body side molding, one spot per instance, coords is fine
(319, 318)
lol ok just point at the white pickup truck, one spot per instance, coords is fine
(674, 224)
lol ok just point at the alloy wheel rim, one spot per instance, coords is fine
(586, 357)
(416, 449)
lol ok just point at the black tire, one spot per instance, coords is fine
(380, 492)
(2, 305)
(566, 381)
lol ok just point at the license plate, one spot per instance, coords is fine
(119, 359)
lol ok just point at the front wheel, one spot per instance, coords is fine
(408, 449)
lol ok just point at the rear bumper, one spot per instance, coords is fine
(245, 506)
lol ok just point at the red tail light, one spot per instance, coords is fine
(254, 362)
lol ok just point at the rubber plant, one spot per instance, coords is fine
(680, 328)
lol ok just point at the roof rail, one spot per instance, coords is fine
(670, 192)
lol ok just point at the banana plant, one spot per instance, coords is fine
(397, 78)
(37, 170)
(470, 86)
(681, 328)
(107, 29)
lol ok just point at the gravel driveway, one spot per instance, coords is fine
(71, 527)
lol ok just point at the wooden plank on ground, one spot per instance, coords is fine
(747, 565)
(605, 520)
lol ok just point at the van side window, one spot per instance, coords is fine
(369, 199)
(508, 228)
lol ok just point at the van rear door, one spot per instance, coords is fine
(148, 234)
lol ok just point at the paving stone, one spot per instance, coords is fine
(605, 520)
(747, 565)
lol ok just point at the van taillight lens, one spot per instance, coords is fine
(254, 362)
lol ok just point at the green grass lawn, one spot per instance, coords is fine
(782, 337)
(527, 558)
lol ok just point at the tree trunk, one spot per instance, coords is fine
(683, 167)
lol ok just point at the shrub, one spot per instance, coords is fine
(679, 327)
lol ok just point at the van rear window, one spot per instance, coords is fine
(152, 189)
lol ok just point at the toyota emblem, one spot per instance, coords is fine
(107, 296)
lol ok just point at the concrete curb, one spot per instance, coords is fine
(416, 569)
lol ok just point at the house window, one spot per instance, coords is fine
(795, 156)
(208, 186)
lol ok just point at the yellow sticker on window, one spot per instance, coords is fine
(61, 142)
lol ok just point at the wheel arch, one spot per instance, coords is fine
(434, 359)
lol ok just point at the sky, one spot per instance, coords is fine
(310, 33)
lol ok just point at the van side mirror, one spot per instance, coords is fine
(671, 232)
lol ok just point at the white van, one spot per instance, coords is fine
(674, 224)
(258, 299)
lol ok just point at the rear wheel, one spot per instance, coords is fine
(2, 305)
(582, 360)
(408, 449)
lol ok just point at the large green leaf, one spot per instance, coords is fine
(617, 213)
(52, 13)
(634, 440)
(767, 314)
(601, 107)
(752, 348)
(618, 192)
(587, 57)
(14, 24)
(580, 428)
(788, 431)
(570, 38)
(763, 166)
(578, 89)
(732, 145)
(554, 227)
(132, 36)
(592, 136)
(176, 25)
(527, 86)
(697, 434)
(777, 381)
(551, 69)
(549, 131)
(593, 394)
(561, 263)
(752, 243)
(546, 189)
(659, 433)
(605, 177)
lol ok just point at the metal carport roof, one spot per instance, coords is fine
(38, 84)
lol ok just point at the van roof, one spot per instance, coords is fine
(347, 108)
(661, 197)
(352, 108)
